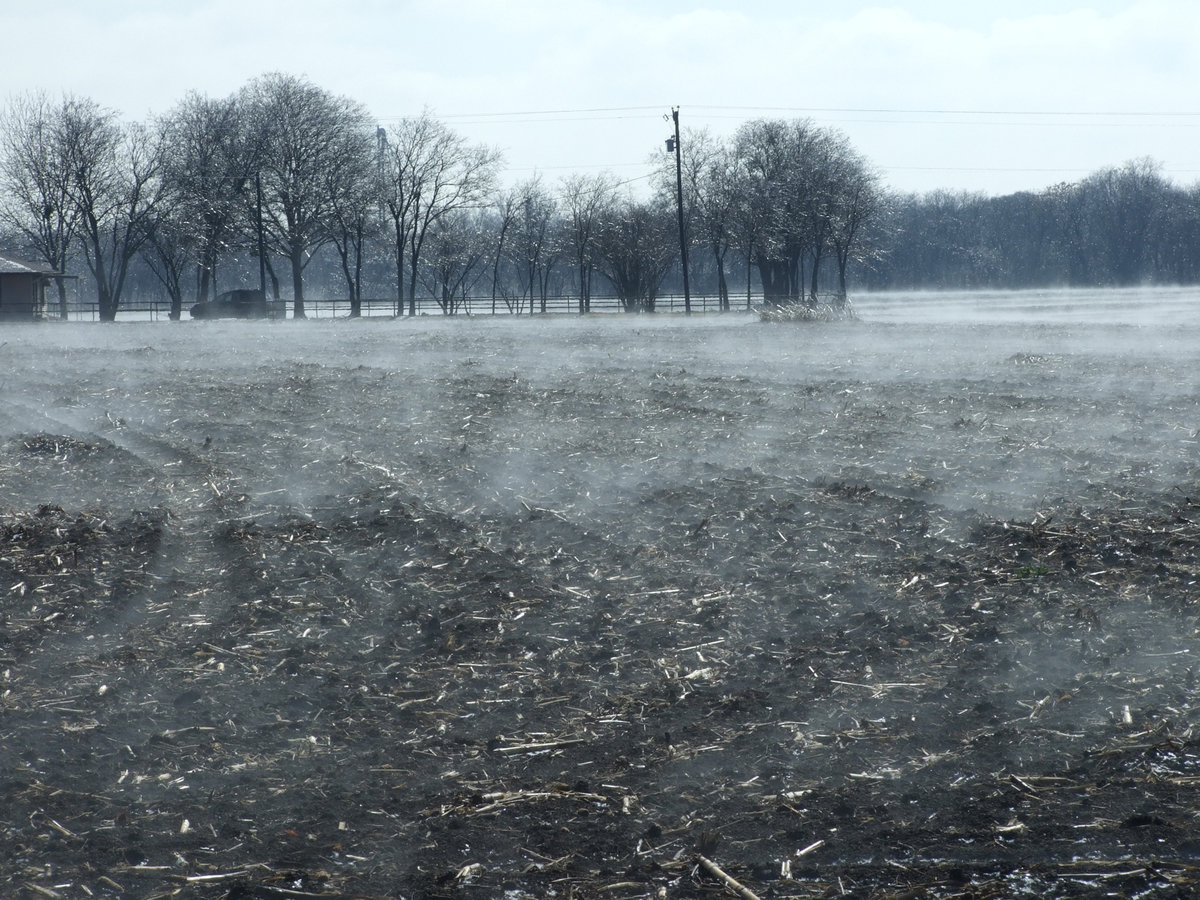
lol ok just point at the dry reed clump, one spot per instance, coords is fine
(804, 312)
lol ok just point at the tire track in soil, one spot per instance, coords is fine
(99, 760)
(177, 484)
(173, 728)
(368, 659)
(188, 675)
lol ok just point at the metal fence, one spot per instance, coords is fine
(156, 310)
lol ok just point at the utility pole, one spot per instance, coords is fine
(683, 254)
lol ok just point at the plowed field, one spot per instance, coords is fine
(605, 607)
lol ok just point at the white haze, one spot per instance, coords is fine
(1004, 403)
(1013, 406)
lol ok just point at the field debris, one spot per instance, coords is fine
(632, 629)
(808, 312)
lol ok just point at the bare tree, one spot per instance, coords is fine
(454, 259)
(504, 216)
(169, 252)
(1176, 259)
(586, 199)
(770, 153)
(795, 179)
(858, 203)
(116, 188)
(711, 196)
(301, 135)
(428, 172)
(35, 182)
(208, 171)
(637, 245)
(747, 231)
(1124, 206)
(533, 247)
(351, 180)
(819, 171)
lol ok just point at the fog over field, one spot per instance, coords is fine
(1008, 399)
(554, 606)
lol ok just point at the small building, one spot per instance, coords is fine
(23, 287)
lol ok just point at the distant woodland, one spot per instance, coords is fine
(287, 185)
(1121, 226)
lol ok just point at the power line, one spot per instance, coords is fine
(959, 112)
(933, 117)
(519, 117)
(615, 184)
(554, 112)
(542, 112)
(843, 110)
(991, 123)
(623, 165)
(1008, 170)
(978, 169)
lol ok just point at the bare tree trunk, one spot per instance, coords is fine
(843, 260)
(274, 279)
(206, 283)
(61, 285)
(356, 300)
(499, 255)
(778, 281)
(722, 284)
(298, 311)
(749, 280)
(412, 283)
(399, 271)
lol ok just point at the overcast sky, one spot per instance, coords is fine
(957, 94)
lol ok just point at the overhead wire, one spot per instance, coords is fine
(943, 117)
(734, 112)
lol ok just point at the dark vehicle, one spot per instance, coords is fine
(240, 304)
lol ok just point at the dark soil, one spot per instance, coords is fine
(465, 610)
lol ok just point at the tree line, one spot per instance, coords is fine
(286, 183)
(1120, 226)
(282, 180)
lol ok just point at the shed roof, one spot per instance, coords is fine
(10, 265)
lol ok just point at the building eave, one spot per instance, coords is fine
(11, 265)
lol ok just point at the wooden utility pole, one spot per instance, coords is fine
(683, 254)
